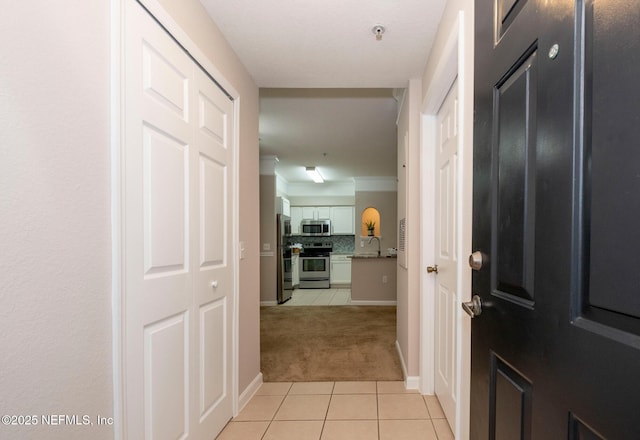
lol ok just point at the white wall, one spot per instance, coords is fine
(55, 263)
(55, 230)
(408, 316)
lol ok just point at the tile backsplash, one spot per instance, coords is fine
(341, 243)
(344, 243)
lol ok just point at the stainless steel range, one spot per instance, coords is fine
(315, 266)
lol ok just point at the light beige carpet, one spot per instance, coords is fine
(315, 343)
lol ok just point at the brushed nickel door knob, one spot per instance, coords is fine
(475, 260)
(473, 307)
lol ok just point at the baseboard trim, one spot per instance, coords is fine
(410, 382)
(373, 303)
(268, 303)
(402, 364)
(249, 392)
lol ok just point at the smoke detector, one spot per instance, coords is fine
(378, 30)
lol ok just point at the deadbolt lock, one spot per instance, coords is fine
(475, 260)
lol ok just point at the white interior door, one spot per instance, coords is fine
(447, 258)
(213, 258)
(178, 273)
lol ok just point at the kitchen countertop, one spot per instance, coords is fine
(371, 256)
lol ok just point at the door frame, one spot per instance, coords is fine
(117, 122)
(453, 63)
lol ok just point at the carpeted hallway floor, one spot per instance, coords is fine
(317, 343)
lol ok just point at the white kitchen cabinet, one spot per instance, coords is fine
(283, 206)
(323, 212)
(340, 270)
(316, 212)
(308, 212)
(343, 219)
(296, 218)
(295, 269)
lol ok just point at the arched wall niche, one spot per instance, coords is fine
(370, 214)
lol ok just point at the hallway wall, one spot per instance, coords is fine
(55, 209)
(55, 276)
(409, 208)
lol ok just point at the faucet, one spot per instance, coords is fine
(377, 238)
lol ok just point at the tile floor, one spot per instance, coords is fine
(338, 411)
(320, 297)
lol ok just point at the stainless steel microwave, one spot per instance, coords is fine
(315, 228)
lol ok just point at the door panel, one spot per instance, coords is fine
(556, 350)
(213, 336)
(165, 202)
(213, 229)
(610, 164)
(510, 402)
(578, 430)
(514, 152)
(165, 80)
(507, 12)
(166, 381)
(446, 300)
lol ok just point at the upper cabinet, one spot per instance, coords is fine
(316, 213)
(342, 219)
(283, 206)
(296, 218)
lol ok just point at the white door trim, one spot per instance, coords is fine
(117, 118)
(450, 66)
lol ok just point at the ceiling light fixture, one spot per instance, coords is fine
(378, 30)
(314, 174)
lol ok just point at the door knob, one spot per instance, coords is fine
(475, 260)
(432, 269)
(473, 307)
(214, 284)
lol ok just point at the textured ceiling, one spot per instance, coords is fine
(346, 133)
(329, 44)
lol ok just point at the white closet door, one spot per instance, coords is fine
(177, 186)
(446, 255)
(212, 257)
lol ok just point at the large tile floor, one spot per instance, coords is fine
(320, 297)
(338, 411)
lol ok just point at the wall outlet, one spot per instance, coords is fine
(385, 279)
(361, 243)
(266, 246)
